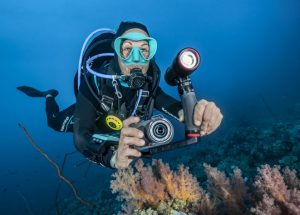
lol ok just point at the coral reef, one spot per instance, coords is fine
(160, 189)
(247, 148)
(277, 197)
(230, 193)
(157, 190)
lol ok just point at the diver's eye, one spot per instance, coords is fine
(145, 52)
(126, 51)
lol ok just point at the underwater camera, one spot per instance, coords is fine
(159, 130)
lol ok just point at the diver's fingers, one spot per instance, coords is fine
(214, 112)
(130, 120)
(132, 153)
(199, 111)
(133, 141)
(207, 116)
(215, 120)
(216, 123)
(124, 163)
(181, 115)
(125, 156)
(131, 132)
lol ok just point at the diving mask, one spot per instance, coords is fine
(129, 54)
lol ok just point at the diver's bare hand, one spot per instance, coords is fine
(207, 116)
(129, 138)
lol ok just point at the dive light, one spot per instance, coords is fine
(184, 64)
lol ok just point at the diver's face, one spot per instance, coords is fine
(126, 48)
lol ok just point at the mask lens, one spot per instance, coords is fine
(135, 48)
(145, 51)
(128, 49)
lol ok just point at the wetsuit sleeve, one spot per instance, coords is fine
(167, 104)
(97, 150)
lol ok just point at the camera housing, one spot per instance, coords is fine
(157, 131)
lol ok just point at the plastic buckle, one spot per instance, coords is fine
(107, 103)
(145, 93)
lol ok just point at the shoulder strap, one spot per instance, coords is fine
(149, 104)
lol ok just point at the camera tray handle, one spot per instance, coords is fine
(146, 152)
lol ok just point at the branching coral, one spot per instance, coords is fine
(181, 185)
(141, 188)
(230, 191)
(276, 194)
(266, 206)
(291, 179)
(159, 188)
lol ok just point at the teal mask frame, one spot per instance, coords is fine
(135, 56)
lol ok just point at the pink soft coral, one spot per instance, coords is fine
(159, 188)
(231, 191)
(140, 188)
(276, 194)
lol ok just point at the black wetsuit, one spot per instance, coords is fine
(88, 113)
(61, 121)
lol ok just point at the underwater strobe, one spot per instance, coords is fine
(184, 64)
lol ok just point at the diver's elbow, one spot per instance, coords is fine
(79, 142)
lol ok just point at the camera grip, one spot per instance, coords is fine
(188, 100)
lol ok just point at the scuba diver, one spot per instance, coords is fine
(116, 91)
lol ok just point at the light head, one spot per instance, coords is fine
(184, 64)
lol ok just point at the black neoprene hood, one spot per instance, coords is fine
(124, 26)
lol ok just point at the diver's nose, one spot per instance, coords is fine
(136, 54)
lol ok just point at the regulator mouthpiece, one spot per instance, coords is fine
(135, 80)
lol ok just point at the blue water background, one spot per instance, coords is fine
(250, 53)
